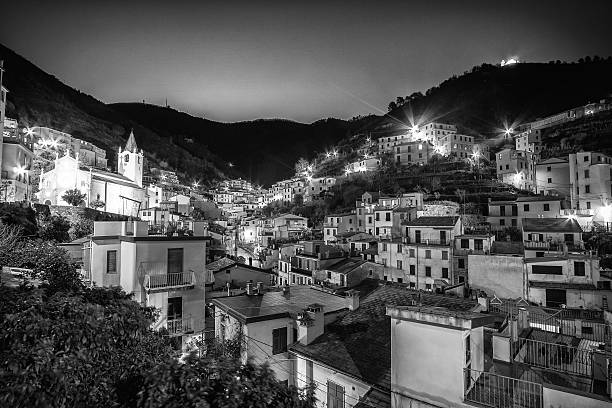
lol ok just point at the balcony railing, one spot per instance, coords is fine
(555, 245)
(179, 325)
(498, 391)
(468, 251)
(424, 241)
(168, 281)
(557, 357)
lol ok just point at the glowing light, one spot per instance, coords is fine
(365, 156)
(328, 155)
(510, 61)
(335, 153)
(20, 170)
(230, 164)
(309, 178)
(28, 131)
(518, 177)
(414, 128)
(309, 168)
(196, 184)
(476, 155)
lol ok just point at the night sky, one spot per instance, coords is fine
(232, 61)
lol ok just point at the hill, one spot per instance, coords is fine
(37, 98)
(263, 150)
(488, 97)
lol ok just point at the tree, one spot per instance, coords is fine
(81, 227)
(53, 228)
(298, 200)
(392, 106)
(74, 197)
(301, 165)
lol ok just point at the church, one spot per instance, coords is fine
(121, 192)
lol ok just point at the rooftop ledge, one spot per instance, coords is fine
(440, 316)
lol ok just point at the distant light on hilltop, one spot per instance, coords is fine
(510, 61)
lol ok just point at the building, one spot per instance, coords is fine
(122, 192)
(529, 141)
(316, 188)
(338, 224)
(168, 273)
(553, 177)
(16, 164)
(434, 131)
(267, 323)
(410, 153)
(503, 214)
(516, 168)
(48, 139)
(590, 175)
(227, 273)
(3, 92)
(455, 145)
(465, 245)
(364, 165)
(288, 226)
(528, 363)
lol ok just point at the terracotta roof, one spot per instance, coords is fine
(375, 399)
(444, 221)
(551, 225)
(345, 265)
(359, 344)
(220, 264)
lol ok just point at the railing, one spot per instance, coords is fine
(549, 246)
(179, 325)
(423, 241)
(168, 281)
(467, 251)
(494, 390)
(557, 357)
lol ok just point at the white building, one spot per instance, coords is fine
(168, 273)
(121, 192)
(590, 175)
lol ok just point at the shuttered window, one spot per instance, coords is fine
(111, 261)
(335, 395)
(547, 269)
(279, 340)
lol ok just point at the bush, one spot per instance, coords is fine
(54, 228)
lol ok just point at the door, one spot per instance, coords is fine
(555, 297)
(417, 236)
(442, 237)
(175, 260)
(175, 308)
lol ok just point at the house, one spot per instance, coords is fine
(350, 361)
(553, 177)
(121, 193)
(168, 273)
(503, 214)
(289, 226)
(268, 322)
(337, 224)
(346, 272)
(441, 357)
(465, 245)
(16, 156)
(226, 271)
(590, 175)
(516, 168)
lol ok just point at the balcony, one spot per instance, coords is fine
(157, 279)
(425, 242)
(179, 325)
(469, 251)
(555, 246)
(494, 390)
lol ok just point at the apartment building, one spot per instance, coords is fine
(16, 163)
(411, 153)
(469, 244)
(46, 138)
(527, 363)
(503, 214)
(456, 145)
(553, 177)
(289, 226)
(388, 143)
(338, 224)
(364, 165)
(168, 273)
(529, 141)
(516, 168)
(389, 218)
(434, 131)
(590, 176)
(317, 187)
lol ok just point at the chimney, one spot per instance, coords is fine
(249, 288)
(260, 288)
(311, 323)
(352, 299)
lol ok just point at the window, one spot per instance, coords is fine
(586, 174)
(546, 207)
(445, 273)
(502, 222)
(412, 285)
(387, 216)
(428, 271)
(547, 270)
(412, 270)
(548, 168)
(461, 263)
(549, 180)
(465, 243)
(428, 286)
(587, 189)
(111, 261)
(377, 216)
(335, 395)
(445, 255)
(417, 236)
(588, 205)
(579, 269)
(478, 244)
(502, 210)
(399, 264)
(411, 253)
(279, 340)
(526, 207)
(428, 254)
(400, 280)
(586, 158)
(513, 222)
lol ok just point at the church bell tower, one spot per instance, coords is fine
(131, 161)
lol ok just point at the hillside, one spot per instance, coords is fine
(38, 98)
(488, 97)
(262, 150)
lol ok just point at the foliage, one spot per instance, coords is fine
(81, 227)
(97, 204)
(19, 215)
(53, 228)
(95, 348)
(74, 197)
(600, 242)
(198, 214)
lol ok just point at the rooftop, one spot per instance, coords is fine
(444, 221)
(359, 344)
(551, 225)
(528, 199)
(345, 265)
(275, 305)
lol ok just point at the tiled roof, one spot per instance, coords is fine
(359, 344)
(345, 265)
(375, 399)
(537, 198)
(274, 305)
(220, 264)
(551, 225)
(444, 221)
